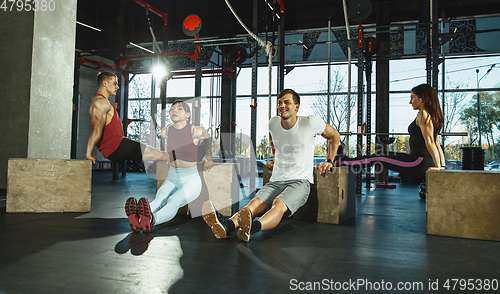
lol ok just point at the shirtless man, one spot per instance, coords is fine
(107, 130)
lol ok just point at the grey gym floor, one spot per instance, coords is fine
(96, 252)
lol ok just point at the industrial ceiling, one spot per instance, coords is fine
(124, 21)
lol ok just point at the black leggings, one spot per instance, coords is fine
(406, 164)
(128, 149)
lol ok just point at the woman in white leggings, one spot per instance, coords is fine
(183, 183)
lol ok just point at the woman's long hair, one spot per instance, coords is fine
(431, 105)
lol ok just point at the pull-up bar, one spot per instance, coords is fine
(83, 60)
(402, 134)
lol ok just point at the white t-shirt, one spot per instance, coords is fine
(293, 158)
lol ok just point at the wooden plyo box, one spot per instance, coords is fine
(162, 169)
(48, 185)
(332, 198)
(220, 185)
(463, 203)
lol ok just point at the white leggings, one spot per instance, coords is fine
(181, 186)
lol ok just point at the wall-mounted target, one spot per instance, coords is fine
(359, 10)
(239, 55)
(191, 25)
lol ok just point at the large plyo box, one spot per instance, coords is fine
(220, 185)
(332, 198)
(463, 203)
(48, 185)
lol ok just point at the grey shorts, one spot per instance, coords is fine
(293, 193)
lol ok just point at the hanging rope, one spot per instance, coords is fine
(155, 42)
(211, 117)
(218, 102)
(267, 45)
(346, 19)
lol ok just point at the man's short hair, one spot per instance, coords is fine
(295, 96)
(104, 76)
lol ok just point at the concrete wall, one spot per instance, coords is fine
(51, 103)
(37, 84)
(16, 32)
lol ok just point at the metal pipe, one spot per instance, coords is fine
(216, 40)
(329, 73)
(403, 134)
(443, 82)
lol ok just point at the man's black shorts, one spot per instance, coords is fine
(128, 149)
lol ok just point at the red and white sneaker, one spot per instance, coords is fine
(146, 218)
(133, 217)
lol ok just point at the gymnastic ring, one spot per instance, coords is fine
(275, 49)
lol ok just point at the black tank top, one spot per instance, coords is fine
(180, 144)
(417, 142)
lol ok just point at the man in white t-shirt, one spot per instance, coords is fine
(292, 140)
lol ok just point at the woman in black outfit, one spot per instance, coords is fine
(425, 151)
